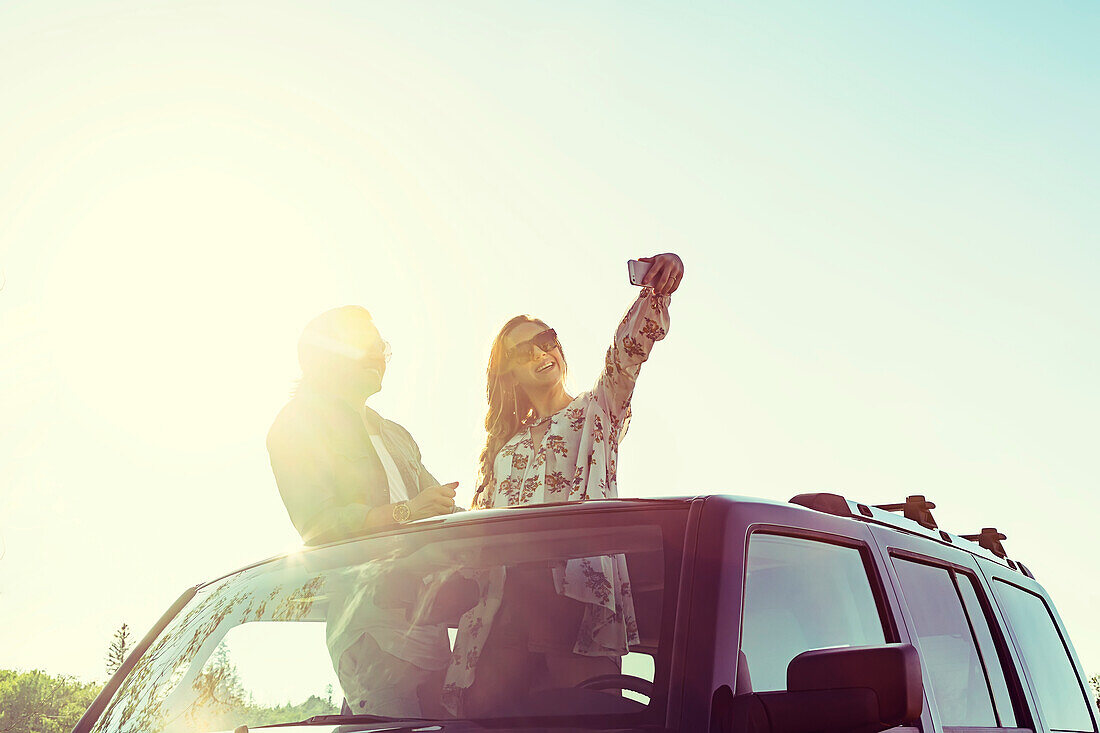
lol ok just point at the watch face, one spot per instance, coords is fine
(401, 512)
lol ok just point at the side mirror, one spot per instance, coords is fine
(842, 690)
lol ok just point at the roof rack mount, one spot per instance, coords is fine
(916, 507)
(990, 539)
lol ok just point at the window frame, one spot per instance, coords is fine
(1030, 587)
(1000, 643)
(866, 554)
(894, 543)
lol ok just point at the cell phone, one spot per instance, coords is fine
(637, 270)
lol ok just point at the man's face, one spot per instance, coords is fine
(370, 350)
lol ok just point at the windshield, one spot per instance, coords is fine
(553, 615)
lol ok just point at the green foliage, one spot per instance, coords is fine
(253, 715)
(35, 702)
(1094, 681)
(221, 702)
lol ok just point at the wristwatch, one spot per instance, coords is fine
(401, 512)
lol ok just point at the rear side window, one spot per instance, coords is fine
(800, 595)
(957, 649)
(1061, 695)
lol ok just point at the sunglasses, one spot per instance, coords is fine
(524, 351)
(342, 348)
(383, 350)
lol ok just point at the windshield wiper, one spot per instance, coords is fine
(545, 722)
(542, 721)
(345, 719)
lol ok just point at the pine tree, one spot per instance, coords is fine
(120, 647)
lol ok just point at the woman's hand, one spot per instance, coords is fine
(665, 275)
(433, 501)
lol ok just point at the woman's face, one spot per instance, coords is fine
(531, 365)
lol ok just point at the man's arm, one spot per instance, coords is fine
(425, 481)
(303, 470)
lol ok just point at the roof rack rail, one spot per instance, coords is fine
(917, 508)
(990, 539)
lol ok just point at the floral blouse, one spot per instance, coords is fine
(575, 461)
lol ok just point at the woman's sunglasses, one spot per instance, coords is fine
(524, 351)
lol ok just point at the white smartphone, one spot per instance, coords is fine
(637, 270)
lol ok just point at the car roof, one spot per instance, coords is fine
(827, 503)
(480, 516)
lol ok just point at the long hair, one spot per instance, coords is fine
(509, 406)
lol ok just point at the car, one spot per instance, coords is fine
(820, 614)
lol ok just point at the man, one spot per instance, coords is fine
(343, 470)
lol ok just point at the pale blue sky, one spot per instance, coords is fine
(886, 210)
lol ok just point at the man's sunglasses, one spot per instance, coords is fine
(355, 353)
(385, 352)
(524, 351)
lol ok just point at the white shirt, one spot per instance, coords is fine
(398, 490)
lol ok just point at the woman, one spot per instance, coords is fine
(544, 445)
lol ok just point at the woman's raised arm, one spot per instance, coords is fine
(645, 323)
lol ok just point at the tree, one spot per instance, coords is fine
(1094, 681)
(221, 701)
(35, 702)
(218, 685)
(120, 647)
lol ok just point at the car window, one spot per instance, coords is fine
(800, 595)
(1053, 676)
(242, 668)
(992, 661)
(375, 627)
(957, 649)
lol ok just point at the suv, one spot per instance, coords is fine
(821, 614)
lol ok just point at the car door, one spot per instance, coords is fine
(970, 668)
(785, 580)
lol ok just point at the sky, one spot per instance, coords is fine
(886, 211)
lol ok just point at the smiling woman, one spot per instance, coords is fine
(528, 402)
(547, 446)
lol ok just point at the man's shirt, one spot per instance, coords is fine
(328, 471)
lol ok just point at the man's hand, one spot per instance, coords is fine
(665, 275)
(434, 501)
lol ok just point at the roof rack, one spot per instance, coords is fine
(917, 508)
(990, 539)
